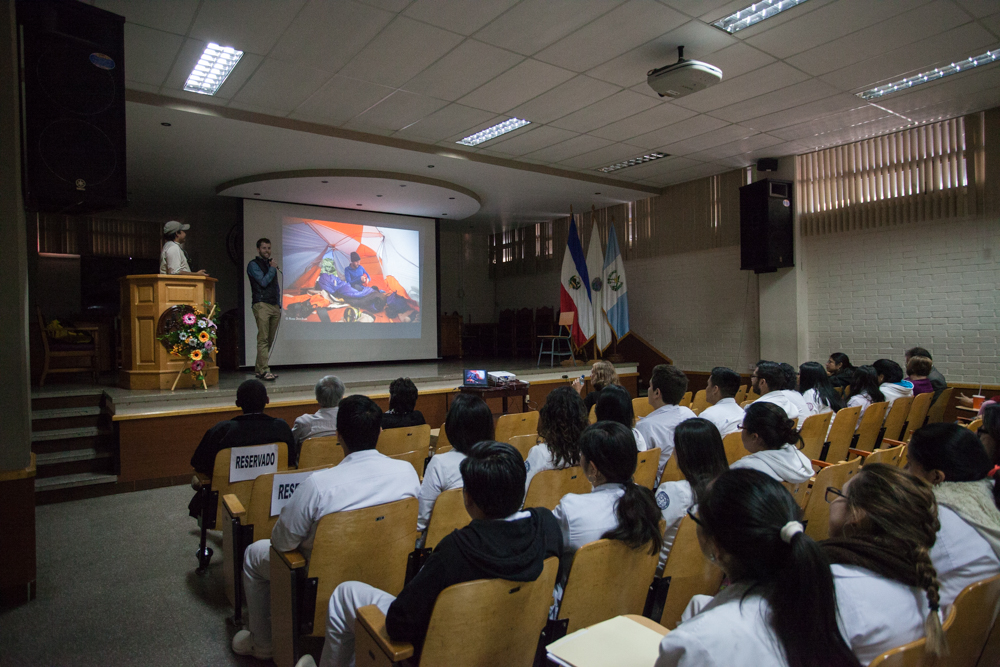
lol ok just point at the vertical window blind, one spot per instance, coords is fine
(107, 237)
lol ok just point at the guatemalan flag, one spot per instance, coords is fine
(575, 293)
(615, 293)
(595, 269)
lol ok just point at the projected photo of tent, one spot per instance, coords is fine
(316, 255)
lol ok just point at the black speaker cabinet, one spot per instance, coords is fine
(766, 240)
(72, 58)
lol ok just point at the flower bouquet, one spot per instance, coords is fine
(193, 337)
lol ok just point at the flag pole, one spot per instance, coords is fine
(597, 312)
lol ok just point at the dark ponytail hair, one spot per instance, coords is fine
(610, 446)
(469, 421)
(865, 381)
(700, 453)
(772, 424)
(812, 375)
(955, 451)
(614, 404)
(744, 513)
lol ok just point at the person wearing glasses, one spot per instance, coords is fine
(770, 437)
(883, 524)
(779, 609)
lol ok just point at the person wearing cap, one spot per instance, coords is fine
(266, 298)
(355, 274)
(173, 259)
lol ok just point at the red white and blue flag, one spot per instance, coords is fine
(575, 293)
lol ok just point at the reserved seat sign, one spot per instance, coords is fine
(284, 486)
(246, 463)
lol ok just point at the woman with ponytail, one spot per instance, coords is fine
(817, 391)
(883, 524)
(770, 437)
(614, 404)
(952, 459)
(780, 609)
(864, 389)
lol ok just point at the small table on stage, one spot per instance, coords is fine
(503, 392)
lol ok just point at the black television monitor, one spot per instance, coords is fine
(475, 378)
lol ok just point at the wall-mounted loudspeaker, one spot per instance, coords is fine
(767, 164)
(766, 240)
(72, 106)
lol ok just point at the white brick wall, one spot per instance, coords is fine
(874, 294)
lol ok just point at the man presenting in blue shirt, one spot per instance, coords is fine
(263, 273)
(355, 274)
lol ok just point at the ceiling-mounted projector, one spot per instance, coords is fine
(683, 77)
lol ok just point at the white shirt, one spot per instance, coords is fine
(814, 405)
(658, 429)
(727, 415)
(783, 399)
(876, 614)
(674, 500)
(960, 555)
(362, 479)
(584, 518)
(640, 442)
(894, 390)
(442, 475)
(320, 424)
(728, 631)
(787, 464)
(172, 259)
(539, 459)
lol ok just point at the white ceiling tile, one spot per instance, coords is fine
(912, 26)
(445, 123)
(700, 42)
(661, 115)
(805, 112)
(149, 54)
(462, 70)
(992, 23)
(400, 110)
(370, 129)
(678, 131)
(281, 85)
(394, 6)
(602, 157)
(400, 51)
(758, 82)
(707, 140)
(459, 16)
(697, 7)
(631, 24)
(979, 8)
(717, 153)
(167, 15)
(610, 109)
(857, 116)
(188, 57)
(532, 140)
(953, 91)
(768, 24)
(807, 91)
(516, 86)
(578, 92)
(328, 33)
(739, 59)
(341, 99)
(571, 148)
(260, 23)
(532, 25)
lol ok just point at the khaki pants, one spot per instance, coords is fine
(267, 316)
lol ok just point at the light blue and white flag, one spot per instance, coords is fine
(615, 293)
(595, 268)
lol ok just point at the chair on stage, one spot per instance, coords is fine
(565, 335)
(645, 468)
(549, 486)
(55, 349)
(322, 451)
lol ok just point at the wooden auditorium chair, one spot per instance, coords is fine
(841, 435)
(800, 491)
(371, 545)
(895, 419)
(813, 434)
(685, 400)
(212, 489)
(442, 444)
(699, 403)
(407, 443)
(685, 574)
(516, 423)
(592, 418)
(869, 431)
(549, 486)
(935, 413)
(641, 407)
(888, 456)
(671, 471)
(741, 394)
(645, 468)
(733, 444)
(523, 443)
(324, 451)
(477, 624)
(918, 414)
(817, 511)
(449, 514)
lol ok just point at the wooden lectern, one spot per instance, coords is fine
(146, 363)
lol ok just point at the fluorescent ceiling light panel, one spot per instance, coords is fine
(755, 13)
(212, 69)
(631, 163)
(508, 125)
(930, 75)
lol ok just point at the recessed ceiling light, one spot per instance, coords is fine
(508, 125)
(430, 166)
(450, 197)
(597, 193)
(324, 181)
(378, 195)
(402, 185)
(631, 163)
(165, 124)
(212, 69)
(930, 75)
(755, 13)
(444, 214)
(256, 194)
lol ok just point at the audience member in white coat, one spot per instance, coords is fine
(323, 422)
(818, 394)
(701, 458)
(882, 526)
(768, 380)
(667, 385)
(951, 458)
(469, 421)
(892, 384)
(614, 404)
(780, 610)
(560, 423)
(723, 410)
(772, 441)
(864, 390)
(363, 479)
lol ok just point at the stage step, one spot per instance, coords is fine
(66, 434)
(43, 484)
(70, 456)
(85, 400)
(64, 418)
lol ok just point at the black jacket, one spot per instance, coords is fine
(497, 549)
(843, 377)
(398, 420)
(242, 431)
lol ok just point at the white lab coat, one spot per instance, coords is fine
(960, 555)
(640, 442)
(894, 390)
(674, 499)
(658, 429)
(320, 424)
(794, 407)
(787, 464)
(728, 631)
(876, 614)
(539, 459)
(584, 518)
(862, 401)
(814, 405)
(727, 415)
(442, 475)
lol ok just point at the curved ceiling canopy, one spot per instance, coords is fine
(362, 190)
